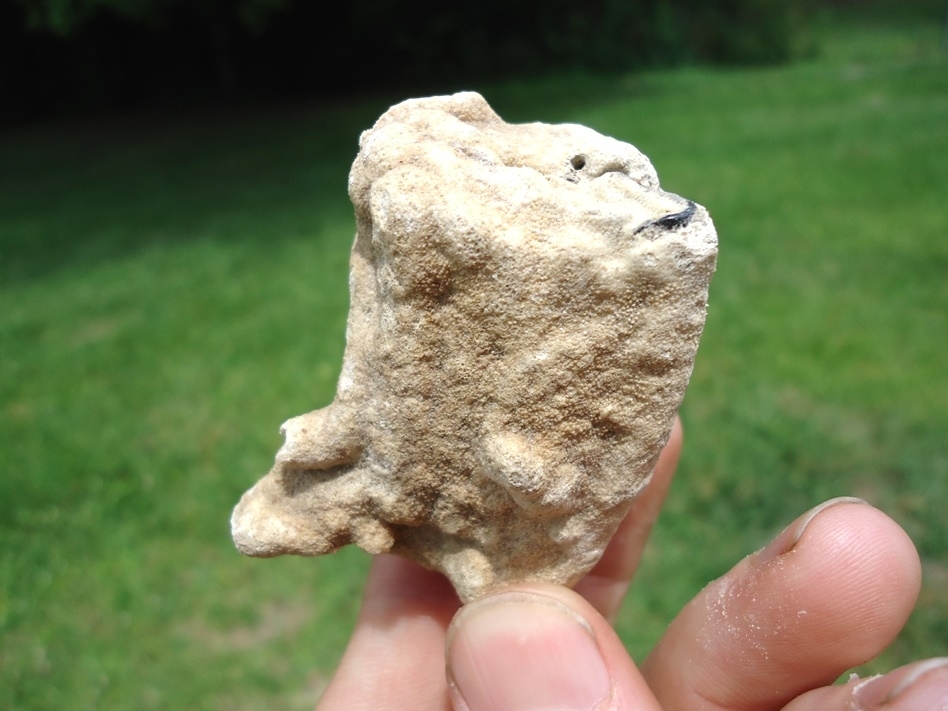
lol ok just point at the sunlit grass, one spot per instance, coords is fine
(173, 289)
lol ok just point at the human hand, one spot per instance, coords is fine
(829, 593)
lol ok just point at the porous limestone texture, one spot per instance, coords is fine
(526, 305)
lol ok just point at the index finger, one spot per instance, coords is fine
(395, 659)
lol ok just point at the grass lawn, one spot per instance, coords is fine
(172, 289)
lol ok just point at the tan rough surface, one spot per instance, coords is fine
(526, 304)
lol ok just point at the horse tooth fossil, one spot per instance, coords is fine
(526, 304)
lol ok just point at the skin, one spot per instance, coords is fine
(830, 592)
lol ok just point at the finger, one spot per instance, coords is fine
(827, 594)
(922, 686)
(540, 646)
(395, 659)
(606, 584)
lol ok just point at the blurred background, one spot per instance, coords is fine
(174, 237)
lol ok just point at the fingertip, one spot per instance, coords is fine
(853, 574)
(853, 562)
(830, 593)
(539, 646)
(520, 650)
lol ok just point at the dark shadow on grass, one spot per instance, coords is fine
(77, 194)
(73, 195)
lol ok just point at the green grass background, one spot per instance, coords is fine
(173, 288)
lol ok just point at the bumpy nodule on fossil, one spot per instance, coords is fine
(526, 304)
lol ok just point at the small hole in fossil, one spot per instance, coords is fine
(578, 162)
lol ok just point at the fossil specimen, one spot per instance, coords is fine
(526, 305)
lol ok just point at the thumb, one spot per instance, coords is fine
(536, 647)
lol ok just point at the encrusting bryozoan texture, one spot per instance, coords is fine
(526, 305)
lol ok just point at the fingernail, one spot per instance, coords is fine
(787, 539)
(880, 691)
(522, 651)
